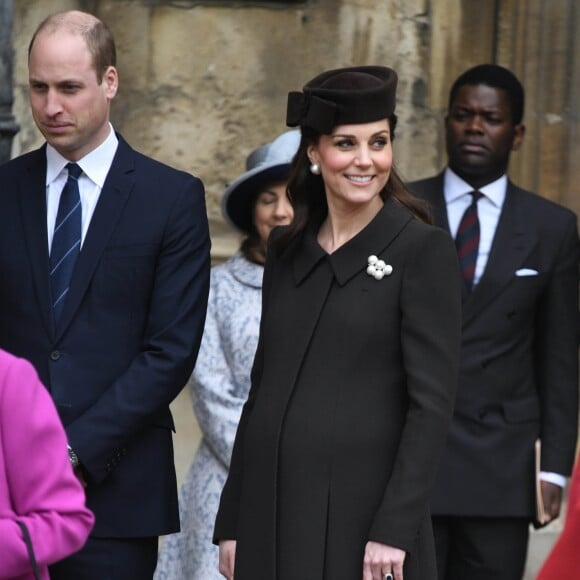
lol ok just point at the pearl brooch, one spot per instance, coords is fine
(378, 268)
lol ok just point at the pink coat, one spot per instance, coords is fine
(37, 483)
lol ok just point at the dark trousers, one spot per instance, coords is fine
(480, 548)
(110, 559)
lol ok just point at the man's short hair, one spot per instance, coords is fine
(493, 75)
(95, 33)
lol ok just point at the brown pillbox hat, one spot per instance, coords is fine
(360, 94)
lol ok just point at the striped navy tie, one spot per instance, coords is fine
(467, 240)
(66, 241)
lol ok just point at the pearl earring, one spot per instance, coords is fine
(315, 169)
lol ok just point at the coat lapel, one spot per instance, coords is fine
(313, 280)
(116, 190)
(511, 244)
(313, 275)
(352, 258)
(33, 210)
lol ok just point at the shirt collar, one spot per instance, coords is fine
(454, 187)
(95, 164)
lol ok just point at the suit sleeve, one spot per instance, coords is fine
(172, 334)
(556, 357)
(42, 491)
(430, 336)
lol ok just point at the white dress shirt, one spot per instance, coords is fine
(95, 166)
(457, 199)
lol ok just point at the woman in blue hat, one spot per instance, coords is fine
(254, 204)
(354, 378)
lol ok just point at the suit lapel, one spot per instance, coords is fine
(116, 190)
(432, 191)
(33, 210)
(434, 195)
(511, 244)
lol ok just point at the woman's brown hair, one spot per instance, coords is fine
(307, 194)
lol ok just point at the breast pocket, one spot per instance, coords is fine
(128, 251)
(523, 293)
(125, 274)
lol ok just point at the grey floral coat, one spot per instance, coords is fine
(219, 386)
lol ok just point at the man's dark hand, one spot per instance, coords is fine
(552, 496)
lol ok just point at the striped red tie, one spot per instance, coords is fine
(467, 240)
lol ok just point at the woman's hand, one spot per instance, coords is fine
(227, 558)
(380, 559)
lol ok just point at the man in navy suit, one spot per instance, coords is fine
(519, 364)
(117, 340)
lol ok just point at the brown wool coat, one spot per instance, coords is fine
(352, 393)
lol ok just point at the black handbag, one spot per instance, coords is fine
(30, 549)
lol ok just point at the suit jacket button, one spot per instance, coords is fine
(55, 355)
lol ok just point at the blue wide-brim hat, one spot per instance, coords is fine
(269, 163)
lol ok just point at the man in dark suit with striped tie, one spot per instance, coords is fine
(104, 255)
(518, 380)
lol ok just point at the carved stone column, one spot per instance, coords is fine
(8, 125)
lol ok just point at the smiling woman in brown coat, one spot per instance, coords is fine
(354, 377)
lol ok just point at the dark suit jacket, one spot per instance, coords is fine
(519, 363)
(129, 332)
(354, 378)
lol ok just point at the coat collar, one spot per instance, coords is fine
(246, 272)
(351, 258)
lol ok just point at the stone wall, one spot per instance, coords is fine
(203, 83)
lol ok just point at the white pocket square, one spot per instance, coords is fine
(526, 272)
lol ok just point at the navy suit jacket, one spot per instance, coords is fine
(130, 330)
(519, 361)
